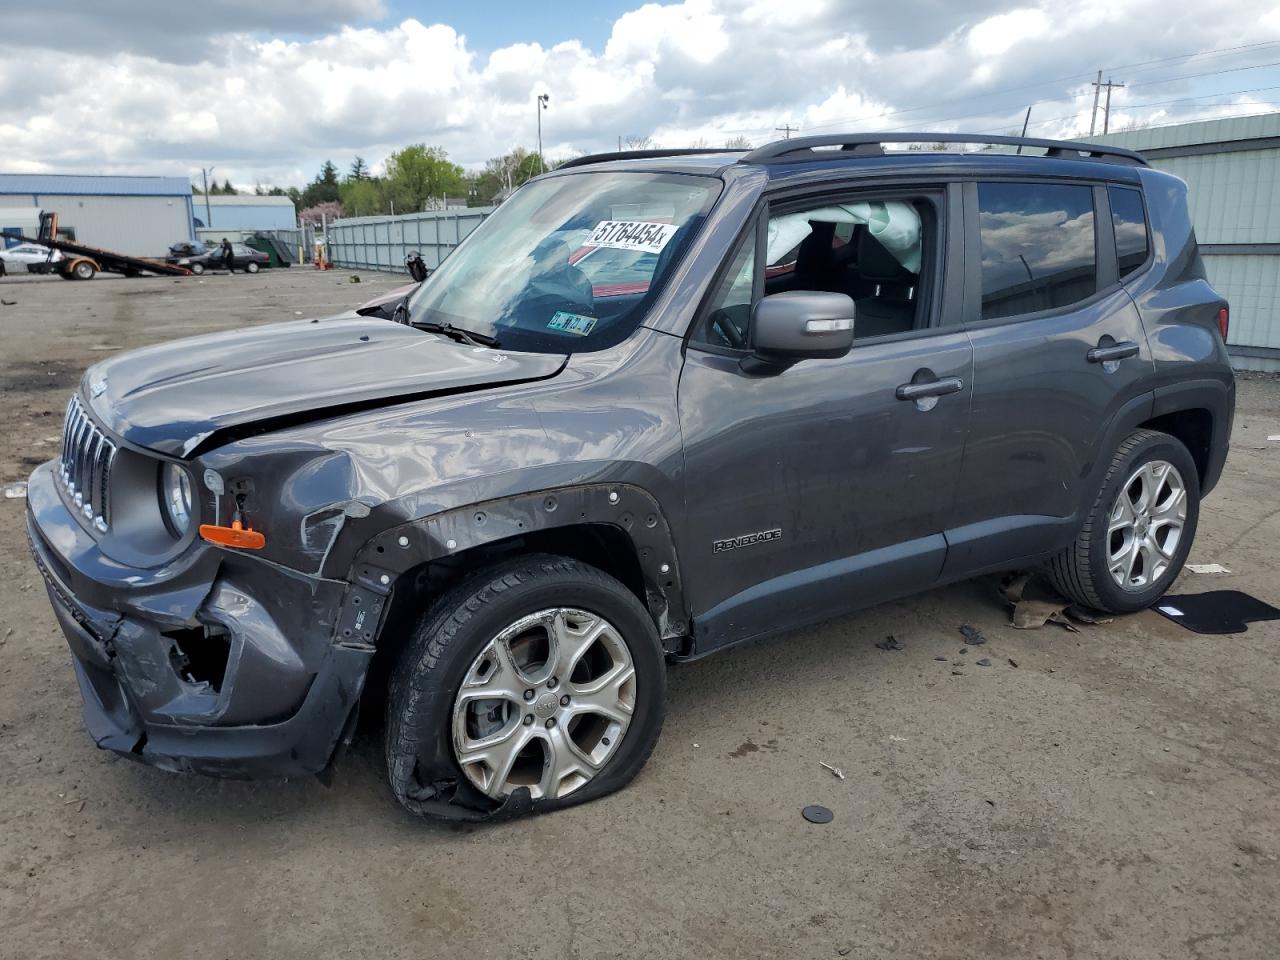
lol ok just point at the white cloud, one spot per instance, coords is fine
(996, 35)
(270, 101)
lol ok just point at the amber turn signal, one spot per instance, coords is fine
(233, 536)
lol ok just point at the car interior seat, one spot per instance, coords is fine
(888, 296)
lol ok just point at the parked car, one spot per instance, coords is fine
(242, 258)
(507, 513)
(28, 257)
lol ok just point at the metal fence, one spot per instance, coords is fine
(382, 243)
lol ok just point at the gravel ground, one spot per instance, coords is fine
(1111, 793)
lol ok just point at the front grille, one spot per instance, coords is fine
(85, 471)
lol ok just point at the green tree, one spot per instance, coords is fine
(358, 170)
(501, 175)
(362, 198)
(418, 176)
(324, 188)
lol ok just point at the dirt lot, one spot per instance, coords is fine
(1114, 794)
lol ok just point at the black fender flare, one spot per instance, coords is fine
(380, 562)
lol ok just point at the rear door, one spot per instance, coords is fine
(826, 486)
(1058, 350)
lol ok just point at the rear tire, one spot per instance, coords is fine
(84, 270)
(1139, 530)
(251, 267)
(543, 745)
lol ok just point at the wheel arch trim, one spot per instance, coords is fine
(380, 562)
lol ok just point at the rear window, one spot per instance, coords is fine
(1129, 221)
(1038, 250)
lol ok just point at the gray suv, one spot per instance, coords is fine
(659, 403)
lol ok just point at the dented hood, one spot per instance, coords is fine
(178, 397)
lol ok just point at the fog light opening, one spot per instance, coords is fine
(199, 654)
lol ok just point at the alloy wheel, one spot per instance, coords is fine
(545, 705)
(1146, 524)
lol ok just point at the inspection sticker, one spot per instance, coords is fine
(574, 323)
(631, 235)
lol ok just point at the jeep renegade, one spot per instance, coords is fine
(656, 404)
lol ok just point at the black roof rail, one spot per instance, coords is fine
(800, 149)
(639, 155)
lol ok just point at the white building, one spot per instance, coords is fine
(140, 216)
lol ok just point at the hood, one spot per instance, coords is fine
(176, 397)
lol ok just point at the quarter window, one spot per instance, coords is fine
(1129, 221)
(1038, 250)
(728, 317)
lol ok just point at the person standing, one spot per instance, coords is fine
(227, 255)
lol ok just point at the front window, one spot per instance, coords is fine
(569, 263)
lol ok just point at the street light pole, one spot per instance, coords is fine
(208, 214)
(541, 104)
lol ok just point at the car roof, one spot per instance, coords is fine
(810, 158)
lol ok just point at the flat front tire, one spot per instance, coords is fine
(1139, 531)
(532, 685)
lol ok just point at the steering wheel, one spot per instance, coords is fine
(719, 322)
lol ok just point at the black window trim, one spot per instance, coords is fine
(944, 315)
(1146, 223)
(973, 252)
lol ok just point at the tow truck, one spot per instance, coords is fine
(83, 263)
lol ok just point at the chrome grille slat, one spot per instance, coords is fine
(85, 469)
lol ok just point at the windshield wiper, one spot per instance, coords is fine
(456, 333)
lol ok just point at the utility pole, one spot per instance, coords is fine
(208, 215)
(541, 104)
(786, 130)
(1106, 111)
(1093, 117)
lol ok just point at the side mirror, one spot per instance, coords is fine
(801, 325)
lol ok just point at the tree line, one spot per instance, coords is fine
(416, 178)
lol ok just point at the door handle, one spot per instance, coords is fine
(1115, 351)
(934, 388)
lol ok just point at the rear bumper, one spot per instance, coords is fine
(274, 701)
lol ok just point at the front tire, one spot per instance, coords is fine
(1139, 531)
(84, 270)
(534, 684)
(196, 268)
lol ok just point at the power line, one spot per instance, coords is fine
(1211, 73)
(1032, 86)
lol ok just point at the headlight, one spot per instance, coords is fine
(175, 497)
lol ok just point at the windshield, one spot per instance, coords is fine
(569, 263)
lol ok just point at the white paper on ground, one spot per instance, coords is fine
(1171, 611)
(1207, 568)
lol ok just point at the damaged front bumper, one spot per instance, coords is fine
(216, 662)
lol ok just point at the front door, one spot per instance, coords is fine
(826, 486)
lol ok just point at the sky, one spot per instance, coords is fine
(265, 92)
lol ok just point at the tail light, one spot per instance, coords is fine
(1223, 319)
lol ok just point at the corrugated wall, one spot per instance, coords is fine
(382, 243)
(138, 226)
(1251, 285)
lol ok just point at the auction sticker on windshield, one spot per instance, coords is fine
(631, 235)
(574, 323)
